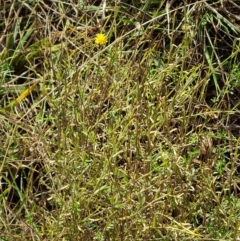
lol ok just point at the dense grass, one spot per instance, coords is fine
(137, 139)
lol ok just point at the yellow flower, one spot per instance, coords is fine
(100, 39)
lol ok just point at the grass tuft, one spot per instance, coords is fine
(119, 121)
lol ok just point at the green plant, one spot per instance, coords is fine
(133, 140)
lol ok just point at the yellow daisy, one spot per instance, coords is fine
(100, 39)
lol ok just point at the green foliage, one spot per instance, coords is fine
(135, 139)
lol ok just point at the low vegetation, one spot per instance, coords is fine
(119, 120)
